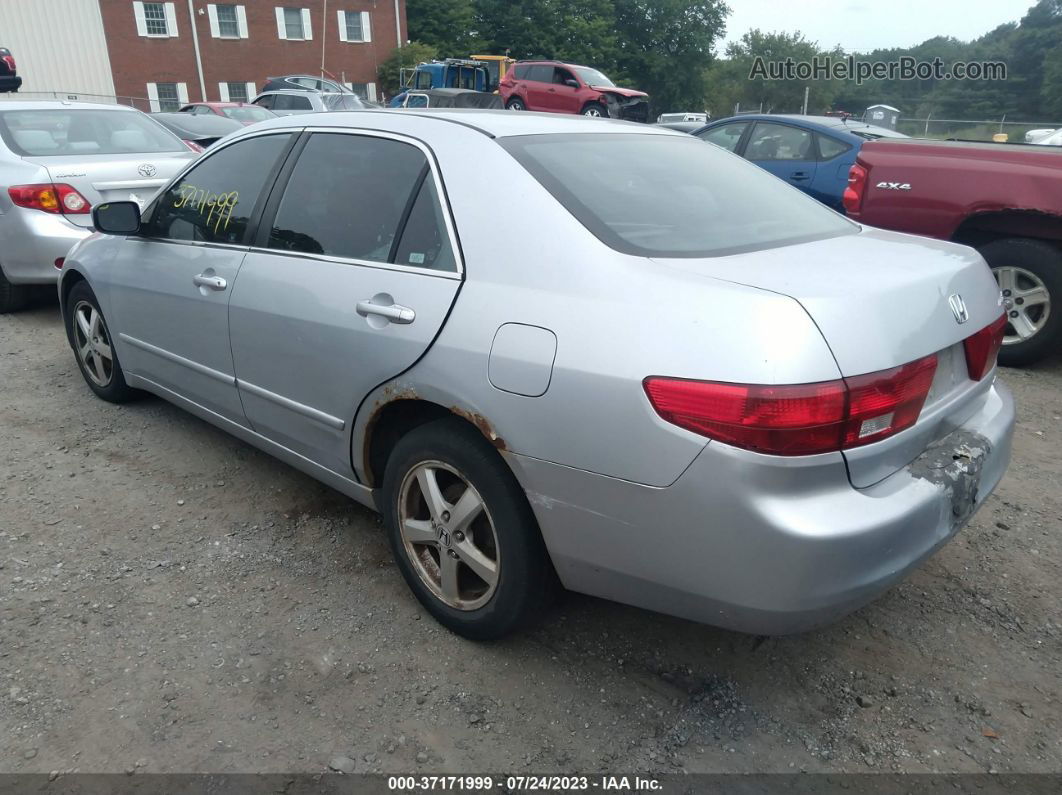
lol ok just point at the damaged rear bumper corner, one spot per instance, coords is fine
(762, 545)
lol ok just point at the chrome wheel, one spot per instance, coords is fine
(93, 344)
(1026, 300)
(448, 535)
(594, 112)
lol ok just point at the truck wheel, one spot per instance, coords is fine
(1029, 273)
(12, 296)
(596, 110)
(515, 104)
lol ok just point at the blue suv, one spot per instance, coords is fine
(812, 153)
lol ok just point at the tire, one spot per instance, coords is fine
(106, 378)
(515, 104)
(1021, 265)
(12, 296)
(596, 110)
(502, 539)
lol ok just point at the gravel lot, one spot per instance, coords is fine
(173, 600)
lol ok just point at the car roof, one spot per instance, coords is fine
(494, 123)
(64, 104)
(832, 123)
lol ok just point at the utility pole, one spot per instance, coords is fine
(804, 112)
(324, 37)
(398, 25)
(198, 58)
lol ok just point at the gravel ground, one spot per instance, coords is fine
(174, 600)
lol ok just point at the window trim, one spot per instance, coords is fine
(272, 206)
(254, 220)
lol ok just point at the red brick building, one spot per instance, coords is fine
(189, 50)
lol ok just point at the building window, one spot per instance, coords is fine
(237, 92)
(354, 26)
(155, 19)
(158, 20)
(293, 24)
(228, 24)
(169, 100)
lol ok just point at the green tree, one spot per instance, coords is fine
(1051, 89)
(448, 25)
(401, 58)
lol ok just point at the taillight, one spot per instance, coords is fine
(983, 347)
(800, 419)
(194, 146)
(853, 194)
(49, 198)
(10, 61)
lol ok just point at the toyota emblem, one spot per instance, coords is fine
(147, 170)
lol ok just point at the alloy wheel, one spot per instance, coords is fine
(1026, 300)
(595, 112)
(93, 344)
(449, 535)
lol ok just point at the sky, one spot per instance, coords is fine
(862, 25)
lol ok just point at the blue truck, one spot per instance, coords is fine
(448, 73)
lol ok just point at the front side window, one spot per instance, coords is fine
(34, 133)
(671, 196)
(155, 19)
(228, 23)
(423, 80)
(771, 141)
(592, 77)
(562, 76)
(213, 202)
(727, 135)
(293, 23)
(358, 211)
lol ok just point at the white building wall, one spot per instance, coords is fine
(58, 46)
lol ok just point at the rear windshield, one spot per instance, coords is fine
(248, 113)
(671, 195)
(41, 133)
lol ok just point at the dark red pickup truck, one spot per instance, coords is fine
(1005, 200)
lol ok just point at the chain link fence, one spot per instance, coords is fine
(972, 129)
(140, 103)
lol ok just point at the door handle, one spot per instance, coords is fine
(396, 313)
(798, 175)
(211, 282)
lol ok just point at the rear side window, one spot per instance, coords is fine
(541, 73)
(670, 195)
(829, 148)
(213, 202)
(771, 141)
(350, 196)
(41, 133)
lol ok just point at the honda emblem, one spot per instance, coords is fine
(958, 308)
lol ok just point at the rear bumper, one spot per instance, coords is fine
(760, 544)
(32, 241)
(10, 83)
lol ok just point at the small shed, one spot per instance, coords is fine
(882, 116)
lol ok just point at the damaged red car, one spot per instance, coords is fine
(555, 87)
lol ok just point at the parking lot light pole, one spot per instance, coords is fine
(198, 57)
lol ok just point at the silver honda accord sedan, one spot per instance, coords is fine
(559, 351)
(59, 158)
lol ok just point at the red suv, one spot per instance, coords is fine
(557, 87)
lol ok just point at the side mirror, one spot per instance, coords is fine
(117, 218)
(571, 82)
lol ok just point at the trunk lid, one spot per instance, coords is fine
(103, 178)
(881, 299)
